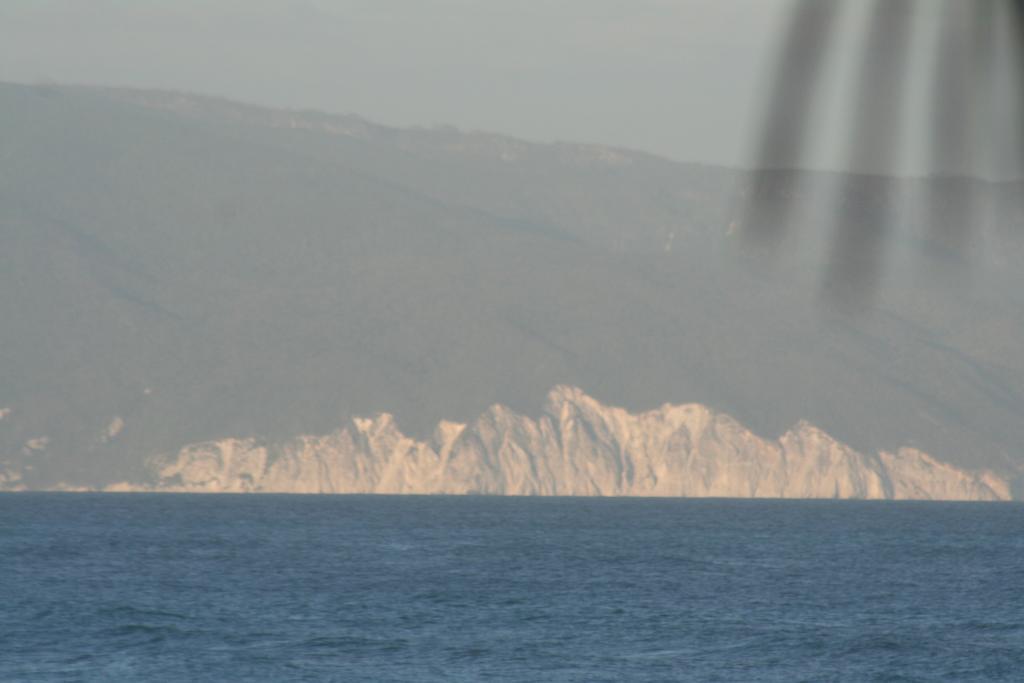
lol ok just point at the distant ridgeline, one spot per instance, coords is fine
(177, 270)
(577, 448)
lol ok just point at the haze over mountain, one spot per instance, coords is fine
(177, 269)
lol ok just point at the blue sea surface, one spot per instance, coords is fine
(360, 588)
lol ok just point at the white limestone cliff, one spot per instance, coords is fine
(579, 447)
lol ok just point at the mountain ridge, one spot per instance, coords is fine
(175, 275)
(578, 447)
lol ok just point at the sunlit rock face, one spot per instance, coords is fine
(579, 447)
(246, 272)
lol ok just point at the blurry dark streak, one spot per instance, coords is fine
(984, 140)
(782, 138)
(950, 205)
(973, 129)
(1015, 136)
(984, 68)
(867, 204)
(1004, 201)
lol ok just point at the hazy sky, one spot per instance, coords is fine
(686, 79)
(676, 77)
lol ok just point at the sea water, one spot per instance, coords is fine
(353, 588)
